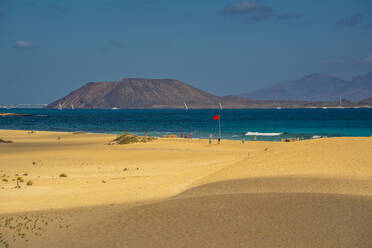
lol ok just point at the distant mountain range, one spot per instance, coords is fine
(366, 102)
(153, 93)
(171, 93)
(317, 87)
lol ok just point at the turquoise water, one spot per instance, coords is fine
(266, 124)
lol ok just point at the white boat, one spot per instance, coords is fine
(114, 108)
(186, 108)
(59, 106)
(220, 106)
(72, 106)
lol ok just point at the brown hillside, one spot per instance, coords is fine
(136, 93)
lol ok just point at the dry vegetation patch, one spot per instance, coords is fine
(128, 138)
(5, 141)
(78, 132)
(19, 228)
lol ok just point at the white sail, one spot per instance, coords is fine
(186, 108)
(72, 106)
(59, 106)
(220, 106)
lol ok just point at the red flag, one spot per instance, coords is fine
(217, 117)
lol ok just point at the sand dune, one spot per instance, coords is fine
(226, 220)
(184, 193)
(246, 220)
(283, 185)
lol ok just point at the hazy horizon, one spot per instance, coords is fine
(49, 48)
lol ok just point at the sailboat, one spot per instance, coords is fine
(59, 106)
(186, 108)
(341, 103)
(220, 106)
(72, 106)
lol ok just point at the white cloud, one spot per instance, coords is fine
(23, 44)
(350, 21)
(367, 59)
(255, 10)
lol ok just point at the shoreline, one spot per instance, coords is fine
(263, 135)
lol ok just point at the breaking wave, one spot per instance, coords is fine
(262, 134)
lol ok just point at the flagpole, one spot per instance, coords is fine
(219, 120)
(219, 125)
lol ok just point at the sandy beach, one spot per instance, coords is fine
(183, 193)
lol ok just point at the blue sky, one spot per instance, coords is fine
(49, 48)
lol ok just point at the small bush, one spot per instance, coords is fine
(29, 183)
(128, 138)
(62, 175)
(5, 141)
(5, 180)
(20, 179)
(78, 132)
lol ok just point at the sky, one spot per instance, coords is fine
(49, 48)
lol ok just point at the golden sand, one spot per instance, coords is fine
(184, 193)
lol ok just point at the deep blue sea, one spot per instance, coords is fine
(265, 124)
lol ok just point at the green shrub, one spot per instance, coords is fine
(5, 141)
(128, 138)
(78, 132)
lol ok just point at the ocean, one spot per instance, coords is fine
(265, 124)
